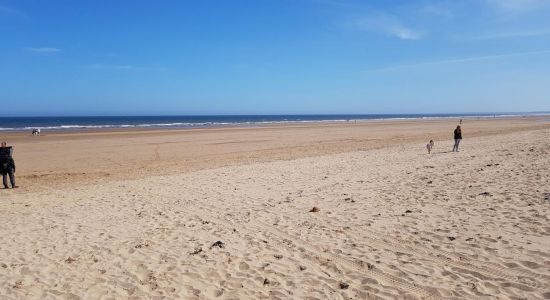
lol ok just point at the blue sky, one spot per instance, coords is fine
(273, 56)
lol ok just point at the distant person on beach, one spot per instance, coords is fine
(7, 165)
(429, 146)
(458, 138)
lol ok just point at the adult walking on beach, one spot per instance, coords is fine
(458, 138)
(7, 166)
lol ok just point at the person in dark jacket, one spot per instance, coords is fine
(7, 166)
(458, 138)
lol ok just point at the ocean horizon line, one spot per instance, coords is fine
(197, 121)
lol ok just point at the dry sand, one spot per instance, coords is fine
(143, 218)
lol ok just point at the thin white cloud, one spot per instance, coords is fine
(114, 67)
(385, 24)
(43, 49)
(441, 9)
(515, 34)
(337, 3)
(519, 6)
(126, 67)
(459, 60)
(12, 12)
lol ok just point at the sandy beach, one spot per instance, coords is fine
(314, 211)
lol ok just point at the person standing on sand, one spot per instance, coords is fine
(7, 166)
(458, 138)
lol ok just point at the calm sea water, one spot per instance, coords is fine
(68, 123)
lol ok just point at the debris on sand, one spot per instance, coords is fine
(451, 238)
(349, 199)
(486, 194)
(18, 284)
(408, 211)
(70, 260)
(218, 244)
(344, 286)
(142, 245)
(266, 281)
(315, 209)
(196, 251)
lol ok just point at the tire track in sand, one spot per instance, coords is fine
(493, 270)
(358, 265)
(312, 250)
(489, 269)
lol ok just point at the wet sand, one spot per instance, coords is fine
(66, 158)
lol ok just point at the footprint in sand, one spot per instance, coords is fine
(243, 266)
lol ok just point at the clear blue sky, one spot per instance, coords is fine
(137, 57)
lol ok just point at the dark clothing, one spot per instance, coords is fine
(455, 147)
(5, 178)
(7, 166)
(6, 161)
(458, 138)
(458, 134)
(5, 153)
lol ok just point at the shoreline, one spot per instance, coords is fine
(75, 128)
(95, 157)
(237, 126)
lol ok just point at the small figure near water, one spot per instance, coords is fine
(457, 137)
(429, 146)
(7, 165)
(36, 132)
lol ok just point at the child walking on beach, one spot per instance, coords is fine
(429, 146)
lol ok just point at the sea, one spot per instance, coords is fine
(99, 122)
